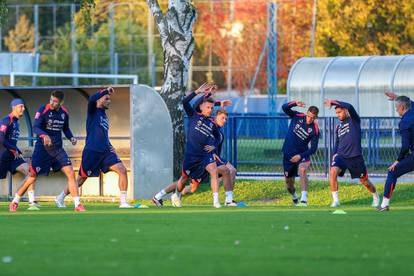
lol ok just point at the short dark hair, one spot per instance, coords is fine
(58, 94)
(404, 101)
(314, 110)
(222, 111)
(209, 100)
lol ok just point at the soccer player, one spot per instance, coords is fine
(348, 151)
(405, 159)
(224, 168)
(222, 164)
(198, 163)
(11, 159)
(50, 121)
(99, 155)
(296, 153)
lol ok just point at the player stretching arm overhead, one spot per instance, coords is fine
(99, 155)
(296, 152)
(348, 151)
(405, 160)
(198, 163)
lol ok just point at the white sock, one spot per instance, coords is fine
(31, 196)
(123, 197)
(16, 198)
(304, 196)
(295, 196)
(229, 196)
(216, 198)
(76, 200)
(385, 202)
(335, 196)
(160, 194)
(178, 194)
(61, 196)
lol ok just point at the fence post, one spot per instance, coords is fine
(235, 142)
(227, 145)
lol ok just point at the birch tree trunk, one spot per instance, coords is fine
(176, 31)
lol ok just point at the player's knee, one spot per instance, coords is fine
(392, 174)
(33, 174)
(333, 172)
(233, 171)
(302, 171)
(25, 172)
(225, 171)
(364, 181)
(120, 169)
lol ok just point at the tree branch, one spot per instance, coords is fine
(159, 18)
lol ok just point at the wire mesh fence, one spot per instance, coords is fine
(254, 144)
(229, 36)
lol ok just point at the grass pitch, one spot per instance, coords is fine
(268, 238)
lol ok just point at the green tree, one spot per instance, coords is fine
(374, 27)
(21, 38)
(93, 49)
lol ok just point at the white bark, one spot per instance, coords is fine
(176, 31)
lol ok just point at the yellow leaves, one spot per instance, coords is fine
(21, 38)
(365, 27)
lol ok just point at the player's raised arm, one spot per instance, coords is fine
(207, 89)
(187, 105)
(287, 108)
(352, 112)
(95, 97)
(392, 97)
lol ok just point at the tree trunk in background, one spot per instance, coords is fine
(176, 31)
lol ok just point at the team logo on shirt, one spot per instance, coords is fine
(199, 123)
(63, 116)
(104, 123)
(89, 173)
(309, 130)
(38, 169)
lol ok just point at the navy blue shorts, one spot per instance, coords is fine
(222, 162)
(8, 163)
(195, 168)
(290, 169)
(94, 162)
(43, 160)
(355, 165)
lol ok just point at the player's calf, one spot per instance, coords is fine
(290, 187)
(367, 183)
(333, 182)
(304, 183)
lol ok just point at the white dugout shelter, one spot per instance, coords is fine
(140, 131)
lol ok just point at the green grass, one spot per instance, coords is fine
(268, 238)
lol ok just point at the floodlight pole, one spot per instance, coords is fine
(272, 56)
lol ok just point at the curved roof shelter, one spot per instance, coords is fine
(361, 81)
